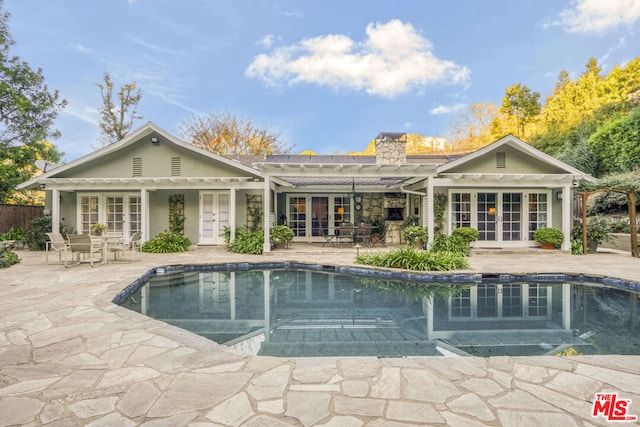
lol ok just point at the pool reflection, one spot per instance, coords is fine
(311, 313)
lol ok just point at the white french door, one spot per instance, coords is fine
(120, 212)
(310, 217)
(500, 217)
(214, 216)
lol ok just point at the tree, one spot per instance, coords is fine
(522, 105)
(473, 128)
(117, 121)
(616, 144)
(228, 134)
(27, 112)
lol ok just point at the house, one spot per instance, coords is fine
(506, 190)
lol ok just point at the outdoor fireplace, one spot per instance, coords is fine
(394, 214)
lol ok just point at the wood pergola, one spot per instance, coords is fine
(632, 216)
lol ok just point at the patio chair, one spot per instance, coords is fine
(120, 249)
(346, 234)
(329, 239)
(56, 243)
(82, 244)
(363, 234)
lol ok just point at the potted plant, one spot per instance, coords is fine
(97, 228)
(281, 236)
(415, 236)
(549, 237)
(597, 232)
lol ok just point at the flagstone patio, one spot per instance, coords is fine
(68, 357)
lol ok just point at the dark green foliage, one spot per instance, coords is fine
(598, 230)
(610, 202)
(579, 155)
(248, 243)
(8, 258)
(27, 112)
(419, 260)
(453, 243)
(176, 213)
(616, 144)
(468, 234)
(280, 234)
(415, 234)
(18, 234)
(39, 226)
(167, 242)
(549, 235)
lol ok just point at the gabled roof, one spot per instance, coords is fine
(144, 131)
(516, 144)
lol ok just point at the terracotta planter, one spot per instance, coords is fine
(547, 246)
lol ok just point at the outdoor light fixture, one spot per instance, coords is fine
(43, 186)
(155, 140)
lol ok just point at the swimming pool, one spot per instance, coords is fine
(302, 310)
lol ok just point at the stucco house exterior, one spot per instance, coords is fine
(506, 190)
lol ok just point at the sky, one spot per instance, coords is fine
(325, 75)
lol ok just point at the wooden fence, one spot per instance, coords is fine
(18, 216)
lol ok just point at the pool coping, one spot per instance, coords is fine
(385, 273)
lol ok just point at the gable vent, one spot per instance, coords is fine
(176, 166)
(137, 166)
(501, 160)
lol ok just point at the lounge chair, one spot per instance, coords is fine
(82, 244)
(119, 250)
(56, 243)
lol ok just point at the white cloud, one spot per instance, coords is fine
(268, 40)
(407, 125)
(298, 14)
(448, 109)
(80, 48)
(587, 16)
(393, 59)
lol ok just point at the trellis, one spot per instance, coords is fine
(632, 216)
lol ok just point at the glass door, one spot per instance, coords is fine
(487, 216)
(115, 213)
(511, 216)
(319, 216)
(214, 216)
(298, 215)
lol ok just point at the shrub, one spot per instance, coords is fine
(248, 243)
(453, 243)
(419, 260)
(415, 233)
(280, 234)
(8, 258)
(167, 242)
(468, 234)
(549, 235)
(39, 226)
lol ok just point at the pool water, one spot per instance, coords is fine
(306, 312)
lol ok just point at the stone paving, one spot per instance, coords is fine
(69, 357)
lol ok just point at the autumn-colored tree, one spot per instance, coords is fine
(308, 153)
(416, 144)
(116, 121)
(228, 134)
(473, 128)
(27, 112)
(520, 106)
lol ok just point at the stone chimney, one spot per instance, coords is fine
(391, 148)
